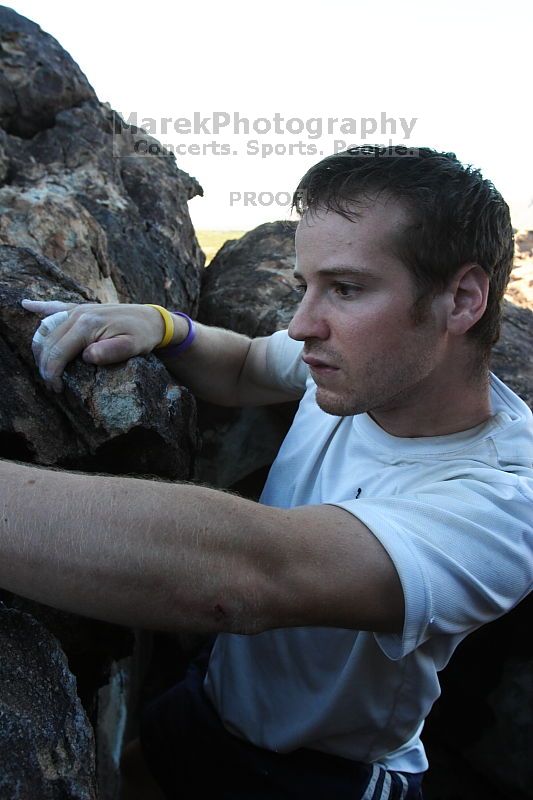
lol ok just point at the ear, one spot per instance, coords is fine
(469, 291)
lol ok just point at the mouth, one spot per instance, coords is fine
(318, 366)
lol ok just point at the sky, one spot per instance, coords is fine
(454, 76)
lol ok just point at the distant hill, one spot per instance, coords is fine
(212, 241)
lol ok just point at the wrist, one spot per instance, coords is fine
(181, 330)
(171, 351)
(158, 326)
(167, 321)
(175, 339)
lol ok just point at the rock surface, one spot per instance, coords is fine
(127, 418)
(482, 722)
(46, 741)
(249, 286)
(74, 187)
(520, 289)
(90, 646)
(83, 217)
(511, 355)
(38, 78)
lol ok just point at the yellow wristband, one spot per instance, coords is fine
(169, 325)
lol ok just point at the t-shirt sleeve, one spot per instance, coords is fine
(284, 364)
(463, 550)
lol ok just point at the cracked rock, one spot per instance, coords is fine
(46, 741)
(129, 418)
(74, 187)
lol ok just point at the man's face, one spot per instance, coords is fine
(365, 349)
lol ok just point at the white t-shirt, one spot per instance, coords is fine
(455, 515)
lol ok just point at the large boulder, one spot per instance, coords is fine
(46, 741)
(91, 647)
(249, 287)
(75, 188)
(84, 217)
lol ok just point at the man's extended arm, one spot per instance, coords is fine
(170, 557)
(167, 556)
(221, 366)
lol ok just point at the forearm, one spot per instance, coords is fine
(173, 556)
(211, 367)
(134, 552)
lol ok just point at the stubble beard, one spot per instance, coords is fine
(391, 382)
(376, 395)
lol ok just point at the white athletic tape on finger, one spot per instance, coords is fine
(49, 324)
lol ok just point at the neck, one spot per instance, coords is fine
(449, 402)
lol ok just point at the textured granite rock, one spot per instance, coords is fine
(83, 217)
(38, 78)
(248, 287)
(520, 289)
(511, 355)
(127, 418)
(46, 741)
(74, 187)
(91, 647)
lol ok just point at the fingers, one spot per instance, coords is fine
(39, 341)
(48, 325)
(55, 343)
(109, 351)
(43, 308)
(102, 333)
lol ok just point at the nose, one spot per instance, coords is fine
(308, 322)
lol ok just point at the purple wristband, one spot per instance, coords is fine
(176, 349)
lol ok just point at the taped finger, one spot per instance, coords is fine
(48, 325)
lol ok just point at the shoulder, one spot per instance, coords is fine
(284, 361)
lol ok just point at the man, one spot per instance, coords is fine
(393, 522)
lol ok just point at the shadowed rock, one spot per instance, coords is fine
(126, 418)
(46, 742)
(91, 646)
(78, 191)
(83, 217)
(249, 286)
(511, 355)
(38, 78)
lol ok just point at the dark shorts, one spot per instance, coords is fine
(190, 752)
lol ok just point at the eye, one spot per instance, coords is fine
(346, 289)
(300, 288)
